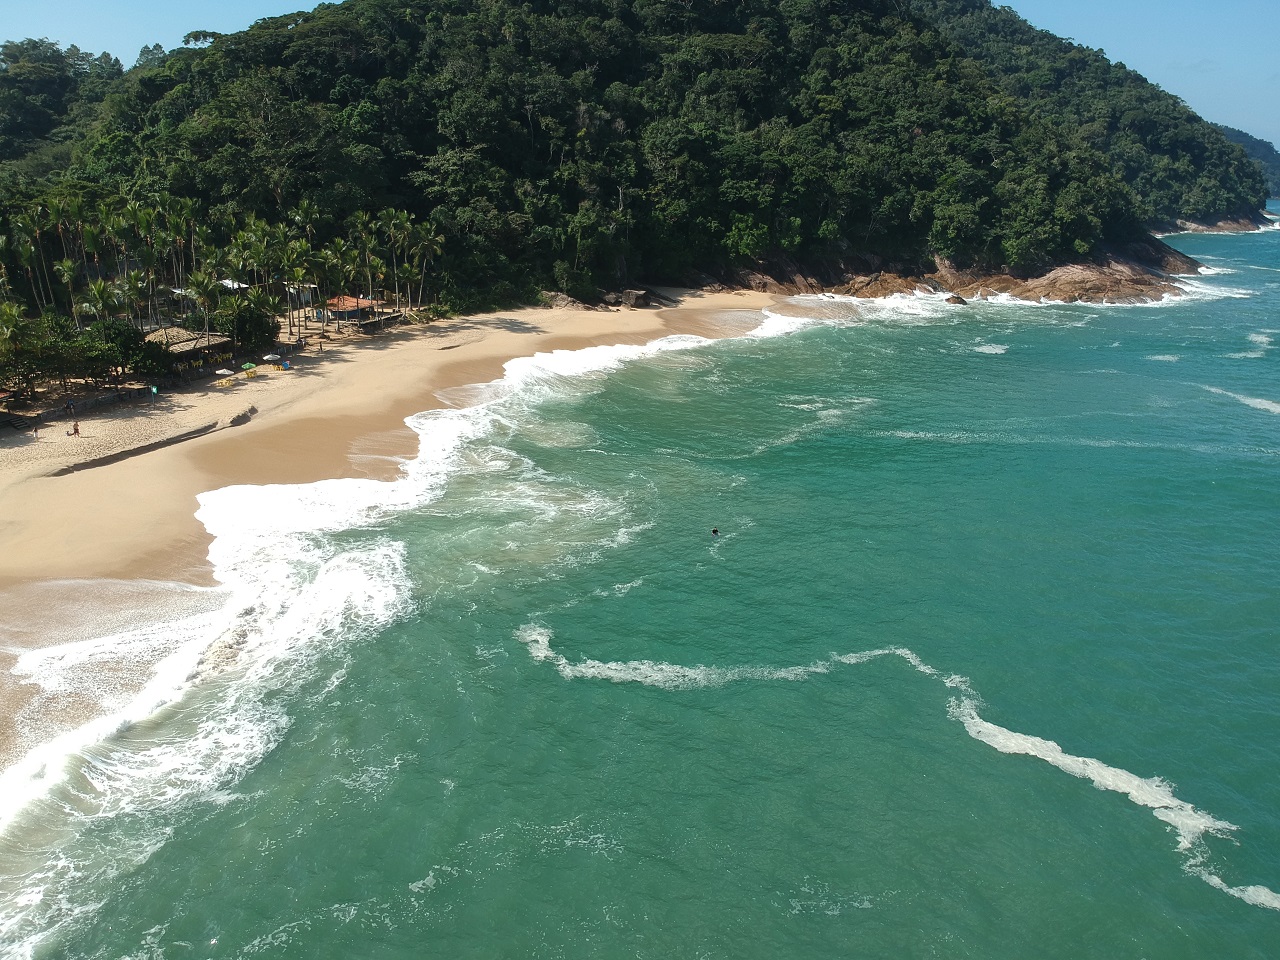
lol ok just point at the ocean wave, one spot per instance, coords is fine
(1270, 406)
(297, 589)
(1190, 824)
(305, 574)
(1195, 290)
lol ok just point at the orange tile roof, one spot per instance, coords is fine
(352, 303)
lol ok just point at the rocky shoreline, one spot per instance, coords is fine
(1246, 224)
(1140, 272)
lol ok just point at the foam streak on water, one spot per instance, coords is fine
(296, 590)
(310, 571)
(1190, 823)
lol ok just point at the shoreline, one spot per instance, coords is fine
(77, 545)
(296, 426)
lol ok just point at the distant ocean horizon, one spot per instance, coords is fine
(982, 660)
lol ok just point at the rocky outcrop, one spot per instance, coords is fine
(627, 298)
(554, 300)
(1138, 272)
(1243, 224)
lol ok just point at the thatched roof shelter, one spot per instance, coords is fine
(179, 340)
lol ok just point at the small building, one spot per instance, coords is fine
(184, 344)
(352, 308)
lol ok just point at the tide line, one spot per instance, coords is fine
(1154, 793)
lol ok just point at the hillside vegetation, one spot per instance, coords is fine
(480, 150)
(1262, 151)
(1177, 166)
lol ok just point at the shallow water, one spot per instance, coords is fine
(982, 662)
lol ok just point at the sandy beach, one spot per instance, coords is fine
(336, 413)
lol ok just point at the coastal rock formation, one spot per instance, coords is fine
(1138, 272)
(1247, 224)
(627, 298)
(554, 300)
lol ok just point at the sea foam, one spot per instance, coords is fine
(304, 574)
(1270, 406)
(1189, 823)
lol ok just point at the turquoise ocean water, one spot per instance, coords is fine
(984, 662)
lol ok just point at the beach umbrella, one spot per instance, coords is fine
(247, 366)
(272, 356)
(224, 372)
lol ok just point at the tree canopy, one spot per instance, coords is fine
(578, 144)
(1176, 165)
(1263, 152)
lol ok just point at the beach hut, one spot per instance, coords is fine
(184, 343)
(190, 350)
(351, 309)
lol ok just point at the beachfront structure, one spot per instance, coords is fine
(351, 308)
(183, 344)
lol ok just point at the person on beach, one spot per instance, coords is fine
(35, 431)
(75, 429)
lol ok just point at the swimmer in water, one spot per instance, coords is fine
(715, 532)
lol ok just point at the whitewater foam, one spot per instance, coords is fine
(1270, 406)
(294, 591)
(1190, 824)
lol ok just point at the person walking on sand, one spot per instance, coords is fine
(35, 431)
(75, 429)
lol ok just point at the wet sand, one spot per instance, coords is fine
(109, 530)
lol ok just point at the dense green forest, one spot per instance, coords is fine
(1176, 165)
(469, 151)
(1260, 150)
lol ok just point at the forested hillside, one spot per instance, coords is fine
(48, 100)
(469, 151)
(1263, 152)
(1178, 166)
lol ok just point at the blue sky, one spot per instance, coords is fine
(1223, 58)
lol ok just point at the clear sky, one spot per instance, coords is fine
(1221, 57)
(123, 27)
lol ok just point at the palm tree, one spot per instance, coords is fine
(395, 225)
(204, 288)
(57, 211)
(99, 299)
(361, 230)
(342, 266)
(27, 245)
(305, 216)
(66, 271)
(10, 318)
(425, 246)
(405, 274)
(132, 292)
(297, 277)
(10, 324)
